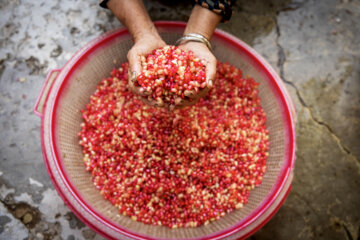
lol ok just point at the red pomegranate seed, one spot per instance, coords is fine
(178, 169)
(169, 72)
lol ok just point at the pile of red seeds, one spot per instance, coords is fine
(178, 169)
(169, 73)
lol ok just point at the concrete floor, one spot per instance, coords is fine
(314, 46)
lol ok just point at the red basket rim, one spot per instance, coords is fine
(269, 72)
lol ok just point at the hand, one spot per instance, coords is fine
(142, 47)
(203, 22)
(204, 54)
(134, 16)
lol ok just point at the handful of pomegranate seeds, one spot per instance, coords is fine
(177, 169)
(169, 74)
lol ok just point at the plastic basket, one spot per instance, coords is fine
(67, 90)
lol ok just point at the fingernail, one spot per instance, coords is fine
(171, 108)
(210, 83)
(178, 101)
(133, 76)
(159, 102)
(188, 93)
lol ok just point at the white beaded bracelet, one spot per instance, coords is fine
(194, 37)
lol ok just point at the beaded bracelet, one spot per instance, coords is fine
(194, 37)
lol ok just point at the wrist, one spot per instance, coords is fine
(196, 30)
(193, 37)
(202, 21)
(146, 33)
(133, 15)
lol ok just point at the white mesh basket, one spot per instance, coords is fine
(67, 90)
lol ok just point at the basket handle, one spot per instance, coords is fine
(45, 89)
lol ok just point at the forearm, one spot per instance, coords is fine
(202, 21)
(133, 15)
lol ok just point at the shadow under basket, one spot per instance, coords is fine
(67, 90)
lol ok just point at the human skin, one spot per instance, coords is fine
(133, 15)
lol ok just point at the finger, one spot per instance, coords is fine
(132, 77)
(172, 107)
(154, 102)
(190, 93)
(143, 92)
(134, 86)
(148, 101)
(134, 62)
(138, 90)
(159, 102)
(180, 103)
(202, 92)
(133, 89)
(210, 72)
(132, 83)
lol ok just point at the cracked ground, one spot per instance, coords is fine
(313, 45)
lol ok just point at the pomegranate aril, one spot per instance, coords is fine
(172, 72)
(177, 169)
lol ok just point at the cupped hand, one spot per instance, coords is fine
(145, 46)
(142, 47)
(202, 52)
